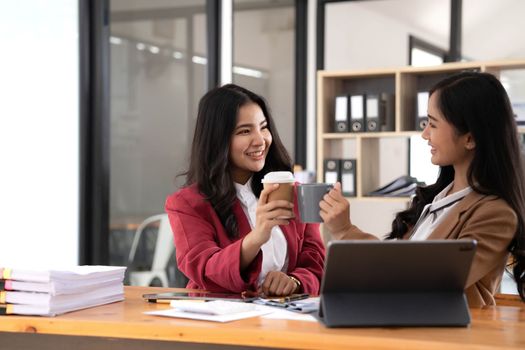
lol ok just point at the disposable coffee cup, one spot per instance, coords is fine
(309, 196)
(286, 181)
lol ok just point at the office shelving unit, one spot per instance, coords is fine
(404, 82)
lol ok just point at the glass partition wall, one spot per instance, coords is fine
(263, 57)
(158, 73)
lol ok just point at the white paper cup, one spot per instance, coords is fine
(286, 181)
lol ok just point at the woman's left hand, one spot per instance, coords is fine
(335, 212)
(278, 283)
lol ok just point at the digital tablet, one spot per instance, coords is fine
(156, 297)
(396, 283)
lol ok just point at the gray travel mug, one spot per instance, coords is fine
(309, 196)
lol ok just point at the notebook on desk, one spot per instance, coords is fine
(396, 283)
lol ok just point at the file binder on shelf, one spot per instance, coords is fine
(357, 113)
(373, 122)
(421, 109)
(332, 172)
(387, 111)
(341, 114)
(348, 177)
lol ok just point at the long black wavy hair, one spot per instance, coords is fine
(478, 103)
(210, 166)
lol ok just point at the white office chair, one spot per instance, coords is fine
(164, 247)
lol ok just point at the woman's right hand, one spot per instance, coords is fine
(267, 215)
(335, 212)
(270, 214)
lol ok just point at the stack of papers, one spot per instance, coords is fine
(57, 291)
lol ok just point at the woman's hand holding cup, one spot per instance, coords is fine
(271, 213)
(335, 212)
(275, 207)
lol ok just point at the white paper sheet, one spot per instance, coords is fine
(289, 315)
(204, 317)
(215, 307)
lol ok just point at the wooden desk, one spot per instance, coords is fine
(123, 326)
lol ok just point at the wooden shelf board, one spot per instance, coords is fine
(351, 135)
(445, 67)
(349, 74)
(380, 199)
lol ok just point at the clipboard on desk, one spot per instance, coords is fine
(396, 283)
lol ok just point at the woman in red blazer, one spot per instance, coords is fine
(221, 219)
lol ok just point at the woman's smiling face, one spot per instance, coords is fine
(249, 143)
(447, 147)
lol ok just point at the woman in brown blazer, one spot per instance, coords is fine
(480, 191)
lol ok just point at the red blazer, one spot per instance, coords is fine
(211, 260)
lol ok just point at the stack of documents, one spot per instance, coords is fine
(57, 291)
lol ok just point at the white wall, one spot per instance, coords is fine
(361, 35)
(39, 136)
(492, 30)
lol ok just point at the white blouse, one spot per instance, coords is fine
(435, 213)
(275, 251)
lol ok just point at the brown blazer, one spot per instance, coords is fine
(492, 223)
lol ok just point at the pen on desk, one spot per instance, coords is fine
(275, 303)
(294, 298)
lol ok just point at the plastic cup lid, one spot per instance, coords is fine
(278, 177)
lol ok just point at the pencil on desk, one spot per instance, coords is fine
(160, 301)
(167, 301)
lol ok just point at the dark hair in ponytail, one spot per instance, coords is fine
(478, 103)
